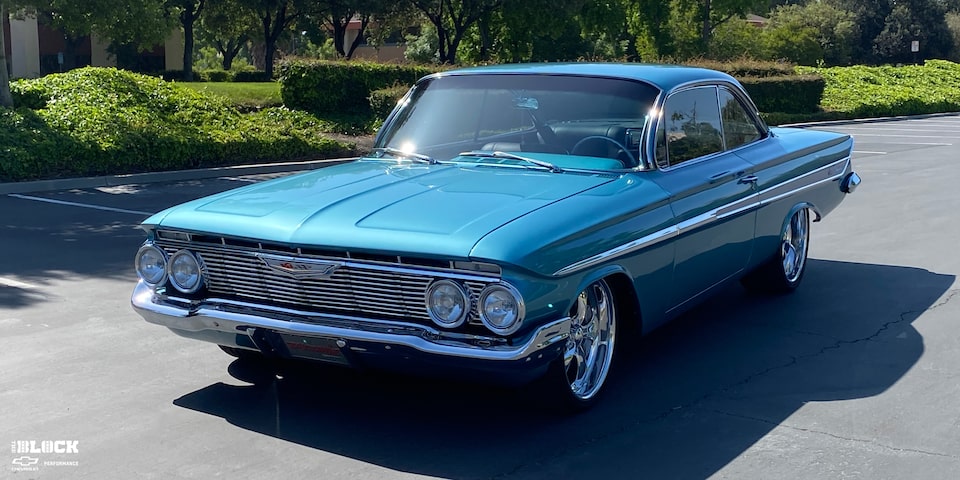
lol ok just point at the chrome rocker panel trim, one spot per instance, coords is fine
(224, 319)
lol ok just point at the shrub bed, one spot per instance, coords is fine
(383, 100)
(785, 94)
(98, 121)
(342, 87)
(860, 91)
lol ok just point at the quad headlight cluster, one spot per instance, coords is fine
(500, 306)
(183, 269)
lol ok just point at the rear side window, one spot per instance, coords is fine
(691, 126)
(738, 126)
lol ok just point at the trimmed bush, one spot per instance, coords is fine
(100, 121)
(252, 76)
(861, 91)
(746, 68)
(785, 94)
(341, 87)
(29, 95)
(383, 100)
(216, 76)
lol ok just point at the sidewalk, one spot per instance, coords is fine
(172, 176)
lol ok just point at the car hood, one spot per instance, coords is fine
(435, 210)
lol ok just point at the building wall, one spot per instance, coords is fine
(24, 48)
(99, 56)
(32, 50)
(173, 50)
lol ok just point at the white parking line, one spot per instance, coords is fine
(83, 205)
(895, 135)
(9, 282)
(869, 152)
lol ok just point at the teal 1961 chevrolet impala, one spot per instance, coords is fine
(512, 222)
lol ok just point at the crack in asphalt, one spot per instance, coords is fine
(836, 345)
(793, 361)
(838, 437)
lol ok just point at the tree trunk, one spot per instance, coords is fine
(364, 21)
(268, 55)
(705, 29)
(6, 99)
(188, 17)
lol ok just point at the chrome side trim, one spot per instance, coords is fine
(229, 318)
(643, 242)
(765, 197)
(785, 189)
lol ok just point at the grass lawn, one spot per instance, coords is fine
(245, 95)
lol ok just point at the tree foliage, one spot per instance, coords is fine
(452, 19)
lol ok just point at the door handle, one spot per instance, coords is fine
(748, 179)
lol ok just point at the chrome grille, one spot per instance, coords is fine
(370, 289)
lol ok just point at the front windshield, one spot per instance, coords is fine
(570, 121)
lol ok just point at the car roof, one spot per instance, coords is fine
(664, 77)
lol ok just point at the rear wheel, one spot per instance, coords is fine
(576, 379)
(783, 272)
(241, 353)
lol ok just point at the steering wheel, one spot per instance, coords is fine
(633, 160)
(547, 136)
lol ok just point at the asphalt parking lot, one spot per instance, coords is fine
(853, 376)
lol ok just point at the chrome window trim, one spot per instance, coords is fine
(738, 92)
(719, 213)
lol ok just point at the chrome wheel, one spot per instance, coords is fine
(589, 349)
(793, 246)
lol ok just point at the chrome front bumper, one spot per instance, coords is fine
(242, 325)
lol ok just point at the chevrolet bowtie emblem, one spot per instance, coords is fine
(300, 267)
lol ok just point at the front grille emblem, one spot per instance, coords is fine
(300, 267)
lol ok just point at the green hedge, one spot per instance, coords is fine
(383, 100)
(860, 91)
(746, 68)
(785, 94)
(344, 87)
(100, 121)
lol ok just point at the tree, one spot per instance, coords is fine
(275, 17)
(712, 13)
(6, 98)
(452, 19)
(836, 29)
(914, 20)
(189, 13)
(519, 31)
(227, 26)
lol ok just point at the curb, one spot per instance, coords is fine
(869, 120)
(171, 176)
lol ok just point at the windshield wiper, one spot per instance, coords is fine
(396, 152)
(540, 163)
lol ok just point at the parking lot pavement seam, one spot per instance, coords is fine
(834, 435)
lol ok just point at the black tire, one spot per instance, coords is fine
(575, 381)
(241, 353)
(785, 269)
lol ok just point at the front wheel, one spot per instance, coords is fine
(782, 274)
(575, 380)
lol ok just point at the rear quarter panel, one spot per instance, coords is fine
(795, 167)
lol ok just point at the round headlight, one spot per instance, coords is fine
(185, 272)
(501, 309)
(151, 264)
(447, 303)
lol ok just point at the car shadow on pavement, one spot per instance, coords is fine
(682, 403)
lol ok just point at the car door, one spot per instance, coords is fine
(713, 192)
